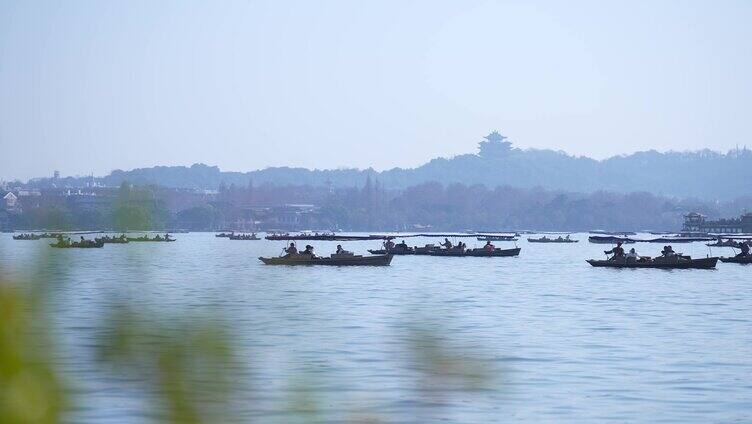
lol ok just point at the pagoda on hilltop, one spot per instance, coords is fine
(495, 146)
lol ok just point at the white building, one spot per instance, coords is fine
(10, 201)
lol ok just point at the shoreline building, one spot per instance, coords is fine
(698, 223)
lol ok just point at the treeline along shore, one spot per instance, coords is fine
(370, 207)
(703, 174)
(499, 188)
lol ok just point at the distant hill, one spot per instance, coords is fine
(701, 174)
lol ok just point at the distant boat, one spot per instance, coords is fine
(675, 262)
(545, 239)
(609, 239)
(480, 252)
(321, 237)
(603, 232)
(676, 239)
(243, 237)
(726, 243)
(738, 259)
(333, 260)
(497, 238)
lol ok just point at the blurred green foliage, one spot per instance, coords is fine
(188, 362)
(187, 365)
(30, 389)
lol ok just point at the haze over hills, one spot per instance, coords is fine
(703, 174)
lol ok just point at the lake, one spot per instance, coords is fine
(551, 338)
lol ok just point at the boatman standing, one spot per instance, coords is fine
(618, 251)
(745, 250)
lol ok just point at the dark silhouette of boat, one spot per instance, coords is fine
(480, 252)
(146, 238)
(727, 243)
(30, 236)
(396, 250)
(545, 239)
(676, 239)
(603, 232)
(321, 237)
(738, 259)
(609, 239)
(112, 240)
(243, 237)
(334, 260)
(497, 238)
(83, 244)
(224, 234)
(674, 262)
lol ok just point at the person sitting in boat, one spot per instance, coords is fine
(402, 245)
(632, 255)
(447, 243)
(308, 251)
(745, 250)
(668, 251)
(489, 247)
(292, 250)
(388, 244)
(341, 251)
(617, 251)
(461, 246)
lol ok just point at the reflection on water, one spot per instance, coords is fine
(542, 337)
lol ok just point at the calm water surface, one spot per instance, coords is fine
(560, 341)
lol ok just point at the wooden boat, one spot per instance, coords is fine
(223, 235)
(480, 252)
(85, 244)
(334, 259)
(726, 243)
(112, 240)
(609, 239)
(738, 259)
(243, 237)
(27, 237)
(321, 237)
(669, 240)
(603, 232)
(147, 239)
(396, 250)
(545, 239)
(675, 262)
(496, 238)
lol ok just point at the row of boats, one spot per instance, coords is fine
(99, 242)
(668, 259)
(629, 240)
(379, 258)
(35, 236)
(240, 236)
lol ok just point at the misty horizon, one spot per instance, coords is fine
(92, 87)
(346, 167)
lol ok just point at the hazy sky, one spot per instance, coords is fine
(90, 86)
